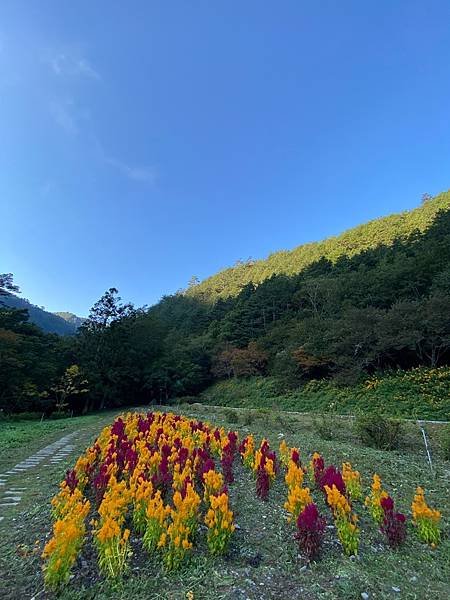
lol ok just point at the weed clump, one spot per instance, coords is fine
(377, 431)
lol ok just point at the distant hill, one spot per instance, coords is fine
(47, 321)
(71, 318)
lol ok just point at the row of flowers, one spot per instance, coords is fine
(157, 477)
(341, 489)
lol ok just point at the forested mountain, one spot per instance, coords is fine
(47, 321)
(379, 232)
(375, 299)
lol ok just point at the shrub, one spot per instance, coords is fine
(231, 415)
(249, 417)
(324, 426)
(444, 440)
(265, 415)
(378, 431)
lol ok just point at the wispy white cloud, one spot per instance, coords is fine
(143, 174)
(64, 116)
(147, 174)
(68, 115)
(66, 64)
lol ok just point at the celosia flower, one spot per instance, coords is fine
(310, 530)
(426, 519)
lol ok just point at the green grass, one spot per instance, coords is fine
(263, 561)
(419, 393)
(19, 439)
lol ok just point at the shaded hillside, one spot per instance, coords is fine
(47, 321)
(383, 231)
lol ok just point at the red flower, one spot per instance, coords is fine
(332, 476)
(310, 530)
(387, 504)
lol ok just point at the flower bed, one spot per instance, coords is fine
(162, 478)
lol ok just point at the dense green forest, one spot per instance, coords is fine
(343, 311)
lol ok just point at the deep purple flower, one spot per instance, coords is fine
(310, 531)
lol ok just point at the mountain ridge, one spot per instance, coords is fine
(228, 282)
(47, 321)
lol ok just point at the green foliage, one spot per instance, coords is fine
(231, 416)
(22, 416)
(418, 393)
(324, 425)
(29, 360)
(316, 322)
(249, 417)
(66, 391)
(377, 431)
(385, 231)
(444, 440)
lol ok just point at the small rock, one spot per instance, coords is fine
(396, 589)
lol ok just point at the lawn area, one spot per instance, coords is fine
(263, 560)
(19, 439)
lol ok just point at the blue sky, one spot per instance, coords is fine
(145, 142)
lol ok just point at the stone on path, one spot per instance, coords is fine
(47, 457)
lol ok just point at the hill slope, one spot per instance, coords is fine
(383, 231)
(47, 321)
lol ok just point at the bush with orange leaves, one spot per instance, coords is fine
(213, 483)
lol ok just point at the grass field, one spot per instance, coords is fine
(263, 561)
